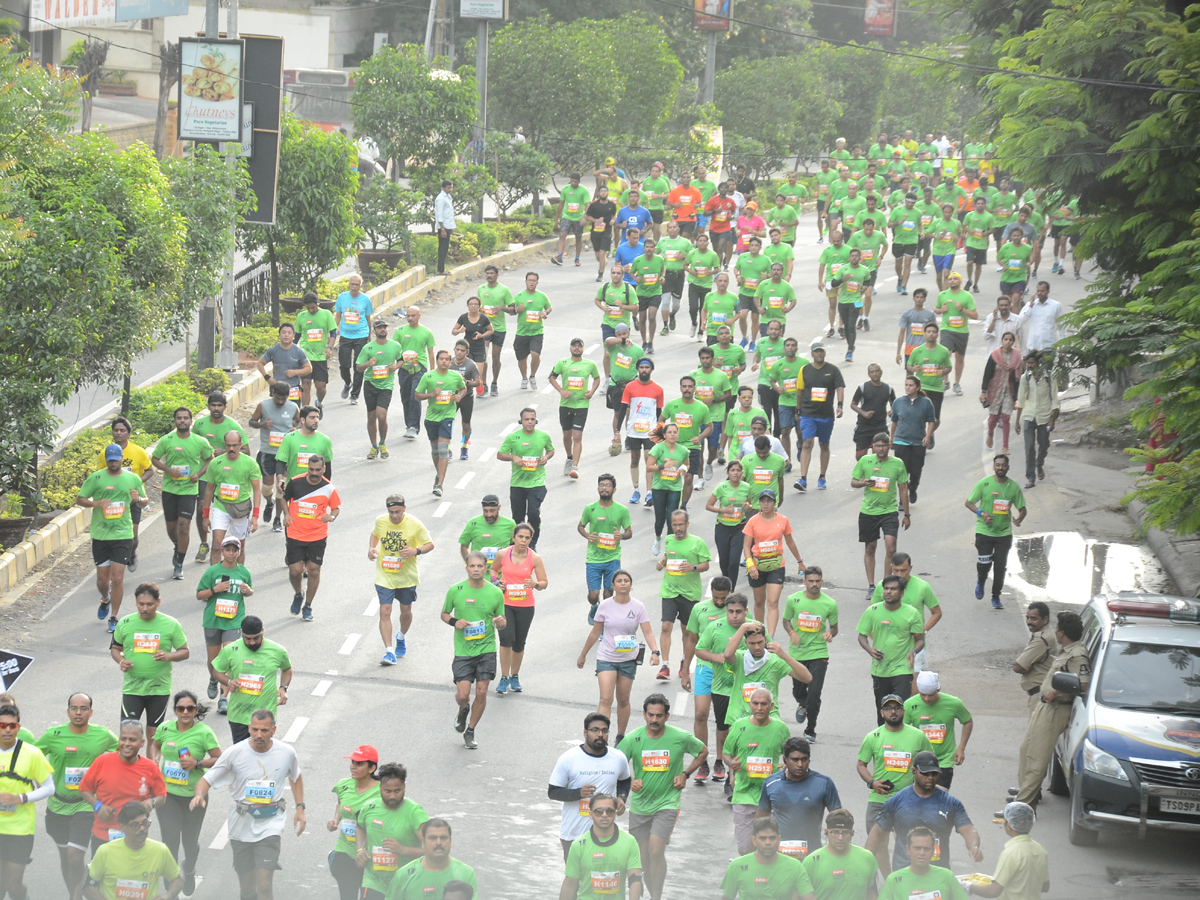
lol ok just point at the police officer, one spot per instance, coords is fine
(1034, 661)
(1050, 718)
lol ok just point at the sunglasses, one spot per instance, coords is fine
(191, 708)
(10, 726)
(604, 811)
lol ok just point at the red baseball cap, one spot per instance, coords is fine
(364, 753)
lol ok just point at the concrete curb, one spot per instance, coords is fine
(409, 288)
(1180, 556)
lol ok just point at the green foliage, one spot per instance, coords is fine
(256, 340)
(464, 248)
(152, 409)
(487, 237)
(74, 53)
(471, 184)
(330, 290)
(414, 111)
(61, 479)
(384, 211)
(381, 273)
(519, 169)
(1171, 493)
(209, 380)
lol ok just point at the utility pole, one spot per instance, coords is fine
(481, 55)
(710, 67)
(208, 308)
(227, 359)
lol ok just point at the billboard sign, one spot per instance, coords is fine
(711, 15)
(210, 90)
(880, 17)
(482, 9)
(45, 15)
(132, 10)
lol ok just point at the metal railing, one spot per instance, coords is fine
(251, 293)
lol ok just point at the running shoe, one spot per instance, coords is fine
(849, 356)
(354, 401)
(102, 610)
(750, 349)
(383, 451)
(821, 483)
(671, 323)
(650, 349)
(177, 574)
(665, 330)
(533, 384)
(437, 489)
(268, 510)
(277, 526)
(656, 547)
(958, 390)
(306, 614)
(567, 466)
(743, 343)
(718, 771)
(410, 433)
(212, 689)
(401, 647)
(524, 384)
(112, 624)
(133, 561)
(460, 719)
(664, 673)
(801, 485)
(345, 391)
(592, 613)
(577, 261)
(870, 592)
(223, 706)
(373, 453)
(557, 260)
(189, 883)
(692, 333)
(202, 553)
(469, 735)
(702, 774)
(708, 472)
(801, 714)
(462, 453)
(600, 277)
(635, 496)
(996, 604)
(866, 324)
(979, 590)
(502, 685)
(810, 736)
(649, 499)
(297, 602)
(514, 683)
(574, 473)
(495, 390)
(389, 658)
(829, 333)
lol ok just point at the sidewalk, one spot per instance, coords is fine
(1180, 556)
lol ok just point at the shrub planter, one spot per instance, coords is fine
(108, 89)
(12, 531)
(389, 258)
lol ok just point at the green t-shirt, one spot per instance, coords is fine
(784, 219)
(952, 194)
(917, 594)
(527, 450)
(1014, 258)
(824, 180)
(573, 376)
(838, 190)
(703, 265)
(779, 253)
(623, 360)
(478, 606)
(891, 632)
(908, 225)
(774, 299)
(70, 754)
(232, 479)
(225, 609)
(834, 259)
(748, 879)
(870, 247)
(937, 722)
(928, 364)
(958, 304)
(754, 270)
(713, 639)
(851, 208)
(978, 228)
(443, 387)
(1003, 207)
(763, 473)
(113, 521)
(772, 672)
(703, 614)
(189, 453)
(141, 640)
(810, 619)
(848, 877)
(675, 251)
(1060, 212)
(312, 332)
(656, 761)
(415, 343)
(602, 869)
(401, 824)
(679, 583)
(759, 748)
(793, 193)
(729, 360)
(767, 352)
(196, 741)
(737, 426)
(380, 374)
(609, 523)
(710, 386)
(878, 216)
(120, 870)
(612, 296)
(492, 299)
(654, 191)
(891, 754)
(297, 447)
(692, 418)
(575, 201)
(786, 374)
(854, 284)
(945, 236)
(651, 271)
(214, 432)
(255, 674)
(728, 495)
(350, 802)
(884, 495)
(415, 882)
(530, 320)
(485, 537)
(937, 882)
(929, 214)
(997, 500)
(707, 188)
(719, 309)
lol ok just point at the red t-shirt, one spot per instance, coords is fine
(690, 197)
(116, 782)
(722, 210)
(645, 401)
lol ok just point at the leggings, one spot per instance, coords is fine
(526, 505)
(808, 695)
(348, 349)
(913, 457)
(728, 539)
(696, 295)
(665, 503)
(768, 398)
(347, 874)
(178, 823)
(517, 620)
(993, 557)
(849, 314)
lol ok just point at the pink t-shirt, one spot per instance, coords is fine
(746, 225)
(622, 621)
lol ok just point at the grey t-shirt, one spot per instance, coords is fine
(276, 422)
(1028, 230)
(252, 776)
(911, 416)
(468, 370)
(915, 318)
(282, 360)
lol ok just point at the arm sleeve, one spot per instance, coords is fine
(624, 785)
(42, 791)
(564, 794)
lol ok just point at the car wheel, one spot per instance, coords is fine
(1080, 836)
(1058, 778)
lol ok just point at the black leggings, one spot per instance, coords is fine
(808, 695)
(913, 457)
(665, 503)
(992, 557)
(849, 315)
(179, 824)
(696, 295)
(347, 874)
(348, 349)
(517, 620)
(729, 541)
(768, 399)
(526, 506)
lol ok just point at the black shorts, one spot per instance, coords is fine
(673, 283)
(260, 854)
(613, 394)
(677, 608)
(821, 206)
(72, 830)
(775, 576)
(870, 526)
(178, 506)
(870, 282)
(497, 338)
(524, 344)
(720, 705)
(925, 244)
(16, 849)
(477, 351)
(864, 436)
(602, 240)
(466, 407)
(695, 460)
(686, 228)
(320, 371)
(481, 668)
(745, 301)
(572, 419)
(154, 706)
(656, 215)
(977, 256)
(1057, 230)
(305, 551)
(632, 443)
(266, 463)
(901, 250)
(716, 238)
(375, 398)
(647, 302)
(105, 552)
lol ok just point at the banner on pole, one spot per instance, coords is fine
(880, 17)
(711, 15)
(210, 90)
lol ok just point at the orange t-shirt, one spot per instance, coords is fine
(768, 539)
(306, 505)
(690, 197)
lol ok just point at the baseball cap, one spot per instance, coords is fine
(751, 205)
(926, 762)
(891, 698)
(231, 541)
(364, 753)
(609, 161)
(621, 326)
(658, 163)
(491, 500)
(113, 451)
(768, 493)
(928, 682)
(817, 346)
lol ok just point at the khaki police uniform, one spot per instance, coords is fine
(1049, 721)
(1036, 659)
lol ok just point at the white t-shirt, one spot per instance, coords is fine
(252, 777)
(747, 448)
(577, 768)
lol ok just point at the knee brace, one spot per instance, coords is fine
(442, 452)
(984, 560)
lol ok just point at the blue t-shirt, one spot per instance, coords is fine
(799, 806)
(942, 814)
(910, 417)
(625, 255)
(629, 217)
(354, 307)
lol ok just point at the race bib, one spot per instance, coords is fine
(749, 688)
(475, 631)
(293, 393)
(145, 643)
(306, 509)
(1016, 264)
(275, 439)
(230, 492)
(615, 312)
(252, 685)
(676, 567)
(349, 829)
(808, 622)
(767, 549)
(650, 278)
(606, 541)
(668, 474)
(314, 335)
(409, 357)
(775, 302)
(173, 773)
(908, 225)
(384, 860)
(73, 775)
(626, 643)
(443, 398)
(380, 372)
(819, 394)
(585, 806)
(751, 283)
(624, 361)
(683, 420)
(789, 386)
(917, 331)
(1000, 507)
(704, 392)
(572, 207)
(115, 835)
(606, 882)
(533, 316)
(530, 463)
(515, 592)
(703, 271)
(576, 382)
(656, 760)
(132, 889)
(957, 321)
(302, 459)
(935, 733)
(674, 255)
(719, 317)
(759, 766)
(930, 369)
(599, 226)
(880, 484)
(226, 608)
(260, 792)
(976, 232)
(114, 509)
(351, 317)
(896, 761)
(489, 552)
(391, 563)
(794, 849)
(722, 215)
(763, 476)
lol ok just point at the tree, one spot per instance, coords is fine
(471, 183)
(414, 111)
(518, 168)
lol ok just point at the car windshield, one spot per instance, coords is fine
(1150, 677)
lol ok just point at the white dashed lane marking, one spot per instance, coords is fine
(348, 644)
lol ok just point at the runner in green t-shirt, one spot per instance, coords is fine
(655, 188)
(387, 834)
(489, 533)
(111, 493)
(779, 252)
(774, 298)
(604, 525)
(444, 389)
(783, 216)
(886, 754)
(621, 357)
(730, 500)
(977, 229)
(946, 233)
(378, 360)
(316, 335)
(905, 223)
(666, 460)
(695, 425)
(893, 634)
(871, 242)
(840, 870)
(758, 668)
(223, 588)
(825, 179)
(751, 269)
(353, 794)
(570, 377)
(829, 265)
(885, 480)
(528, 449)
(728, 356)
(934, 712)
(181, 456)
(699, 268)
(70, 748)
(765, 874)
(737, 422)
(956, 306)
(1014, 260)
(753, 748)
(532, 308)
(497, 304)
(853, 282)
(146, 645)
(292, 457)
(674, 249)
(184, 747)
(256, 671)
(786, 382)
(568, 218)
(474, 608)
(132, 865)
(649, 272)
(232, 482)
(993, 500)
(599, 863)
(810, 618)
(920, 879)
(616, 300)
(720, 307)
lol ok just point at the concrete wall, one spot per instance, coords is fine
(137, 54)
(305, 35)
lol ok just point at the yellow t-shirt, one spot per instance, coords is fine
(134, 874)
(392, 570)
(136, 459)
(31, 764)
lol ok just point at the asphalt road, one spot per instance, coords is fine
(504, 825)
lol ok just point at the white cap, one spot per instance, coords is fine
(927, 683)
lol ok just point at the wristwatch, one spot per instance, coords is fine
(300, 805)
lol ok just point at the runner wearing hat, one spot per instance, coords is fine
(352, 794)
(935, 712)
(111, 493)
(886, 755)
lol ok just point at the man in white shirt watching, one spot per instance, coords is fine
(443, 223)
